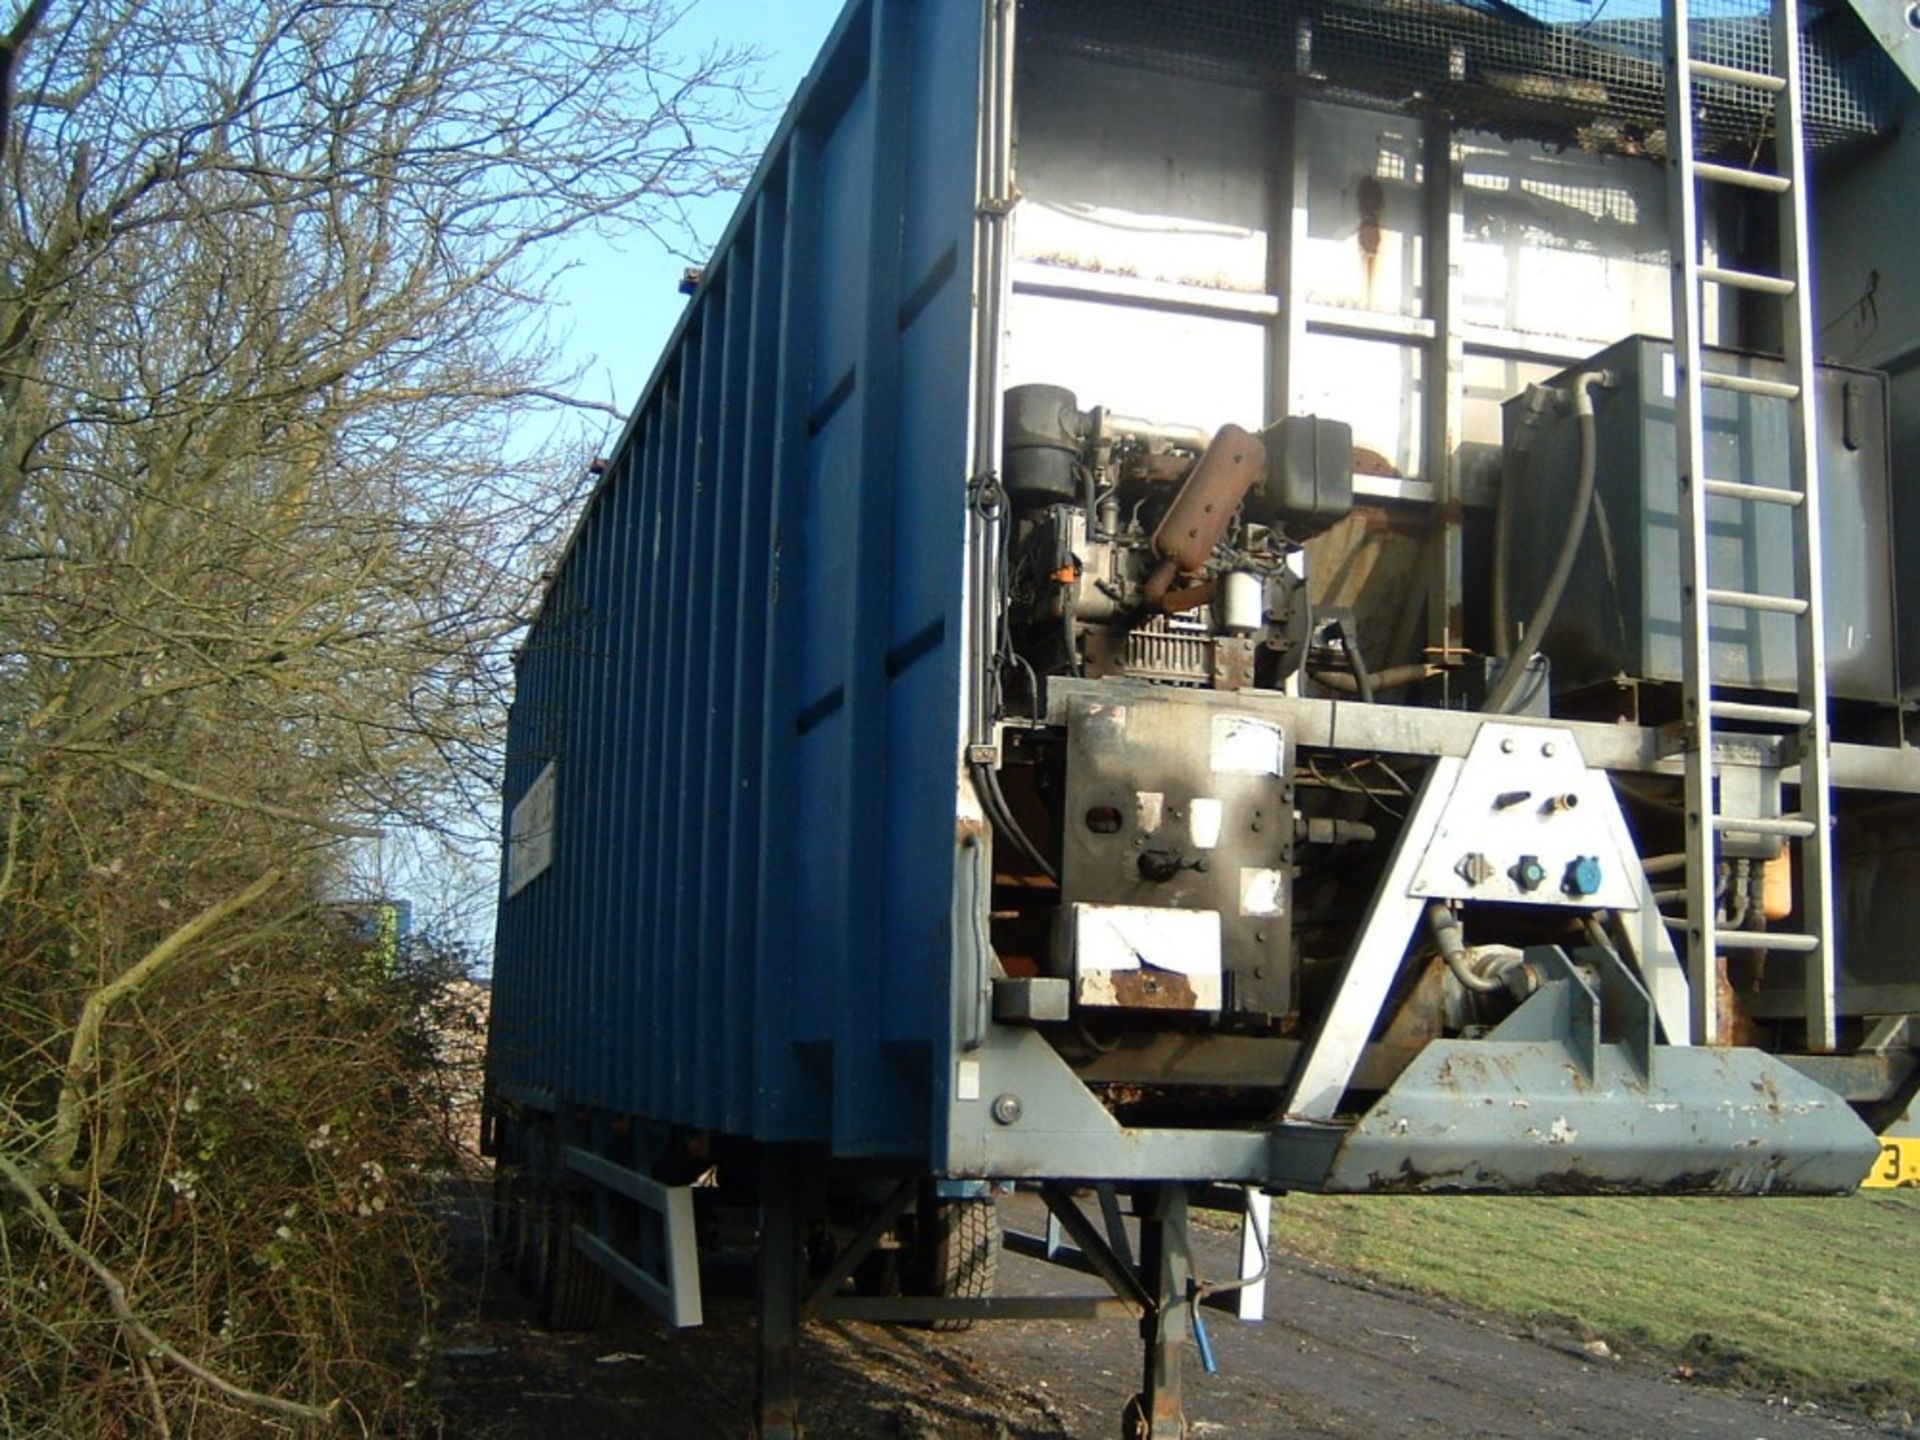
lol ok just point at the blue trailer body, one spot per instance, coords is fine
(746, 675)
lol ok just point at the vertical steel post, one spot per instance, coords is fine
(1287, 166)
(1445, 387)
(1256, 1226)
(994, 199)
(1696, 650)
(1156, 1413)
(1287, 163)
(776, 1400)
(1799, 339)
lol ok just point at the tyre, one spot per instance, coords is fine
(569, 1291)
(528, 1254)
(956, 1253)
(503, 1216)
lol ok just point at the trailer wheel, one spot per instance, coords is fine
(569, 1291)
(956, 1253)
(529, 1248)
(503, 1217)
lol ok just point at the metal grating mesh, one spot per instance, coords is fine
(1582, 71)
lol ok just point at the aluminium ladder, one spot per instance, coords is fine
(1812, 827)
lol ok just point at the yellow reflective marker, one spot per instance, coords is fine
(1898, 1166)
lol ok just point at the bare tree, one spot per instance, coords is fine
(269, 278)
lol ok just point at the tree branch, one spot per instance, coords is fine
(64, 1143)
(11, 48)
(140, 1335)
(241, 802)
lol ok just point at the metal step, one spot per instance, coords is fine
(1738, 175)
(1767, 940)
(1750, 385)
(1733, 75)
(1754, 600)
(1765, 494)
(1759, 714)
(1793, 826)
(1746, 280)
(1783, 940)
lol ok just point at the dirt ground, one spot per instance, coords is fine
(1338, 1356)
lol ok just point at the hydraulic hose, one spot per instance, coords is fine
(1391, 678)
(1453, 949)
(1000, 814)
(1510, 474)
(1513, 470)
(1549, 604)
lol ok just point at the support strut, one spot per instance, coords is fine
(1156, 1413)
(782, 1272)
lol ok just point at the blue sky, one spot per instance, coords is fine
(619, 301)
(616, 301)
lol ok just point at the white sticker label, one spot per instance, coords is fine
(1115, 940)
(966, 1080)
(1243, 745)
(530, 833)
(1148, 808)
(1260, 892)
(1204, 818)
(1667, 375)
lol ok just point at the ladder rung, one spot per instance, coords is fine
(1766, 714)
(1749, 385)
(1766, 494)
(1746, 280)
(1764, 940)
(1752, 939)
(1791, 826)
(1737, 175)
(1752, 600)
(1733, 75)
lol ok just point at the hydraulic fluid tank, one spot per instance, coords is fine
(1621, 613)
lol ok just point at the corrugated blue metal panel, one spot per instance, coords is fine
(747, 669)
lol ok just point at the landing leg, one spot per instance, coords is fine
(1156, 1412)
(777, 1405)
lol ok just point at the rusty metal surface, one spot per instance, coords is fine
(1410, 730)
(1153, 990)
(1201, 511)
(1517, 1118)
(1570, 1095)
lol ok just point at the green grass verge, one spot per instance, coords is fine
(1822, 1295)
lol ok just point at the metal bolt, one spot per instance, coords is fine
(1506, 746)
(1007, 1108)
(1547, 749)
